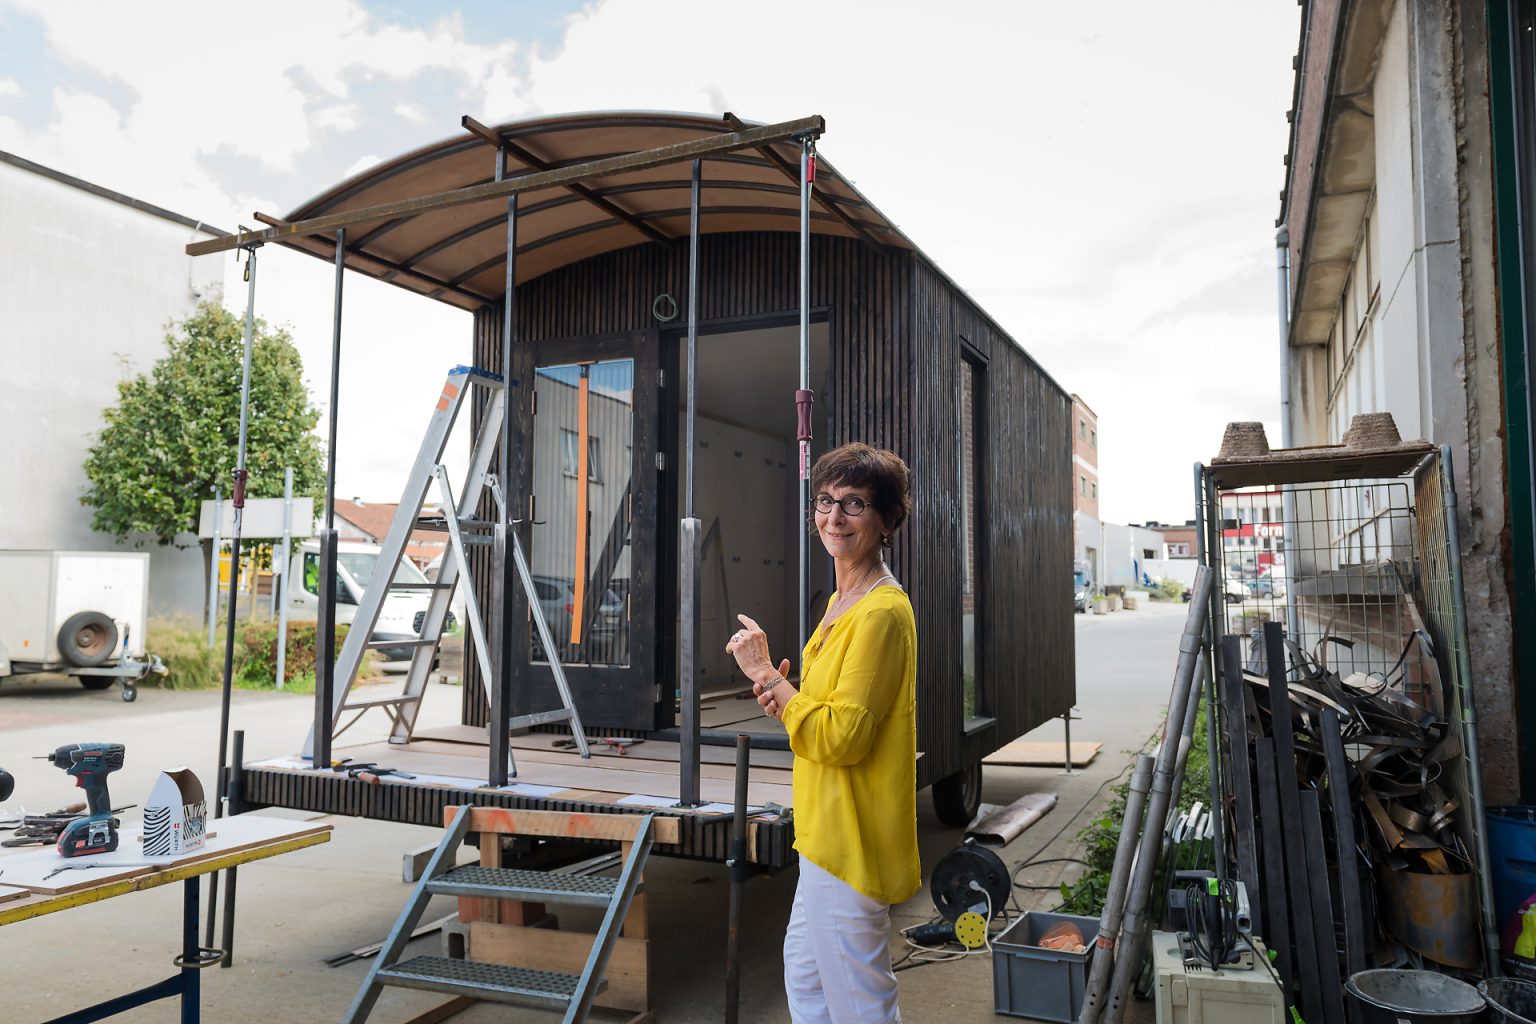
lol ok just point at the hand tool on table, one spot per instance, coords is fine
(89, 764)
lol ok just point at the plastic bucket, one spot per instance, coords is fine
(1510, 1001)
(1512, 855)
(1392, 997)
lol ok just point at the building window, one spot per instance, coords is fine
(1082, 486)
(1093, 438)
(568, 460)
(1095, 492)
(1082, 429)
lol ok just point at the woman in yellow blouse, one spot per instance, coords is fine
(853, 729)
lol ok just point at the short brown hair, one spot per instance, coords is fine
(861, 465)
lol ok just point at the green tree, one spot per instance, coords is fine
(173, 435)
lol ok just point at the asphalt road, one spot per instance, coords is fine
(300, 908)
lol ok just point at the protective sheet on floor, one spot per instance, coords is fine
(999, 826)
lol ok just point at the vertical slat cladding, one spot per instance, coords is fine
(896, 325)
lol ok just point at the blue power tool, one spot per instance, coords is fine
(90, 764)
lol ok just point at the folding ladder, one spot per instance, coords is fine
(527, 986)
(402, 708)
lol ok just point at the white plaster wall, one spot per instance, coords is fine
(1396, 331)
(87, 286)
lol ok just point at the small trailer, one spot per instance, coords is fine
(79, 613)
(659, 296)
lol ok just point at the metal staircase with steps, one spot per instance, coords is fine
(402, 708)
(501, 983)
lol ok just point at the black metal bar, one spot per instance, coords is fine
(325, 639)
(1241, 772)
(644, 160)
(1277, 923)
(1297, 880)
(1357, 941)
(689, 531)
(232, 797)
(504, 568)
(737, 863)
(237, 503)
(1331, 989)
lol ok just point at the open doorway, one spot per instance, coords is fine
(746, 490)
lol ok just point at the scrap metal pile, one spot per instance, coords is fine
(1353, 859)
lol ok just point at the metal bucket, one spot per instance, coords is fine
(1510, 1000)
(1394, 997)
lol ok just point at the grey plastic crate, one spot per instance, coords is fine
(1046, 984)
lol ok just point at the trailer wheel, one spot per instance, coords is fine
(96, 682)
(87, 638)
(130, 693)
(956, 797)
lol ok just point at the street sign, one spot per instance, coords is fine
(263, 518)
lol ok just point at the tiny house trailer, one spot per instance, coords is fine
(613, 443)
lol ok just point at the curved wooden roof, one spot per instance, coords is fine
(458, 255)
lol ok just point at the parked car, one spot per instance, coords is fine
(1082, 590)
(604, 641)
(1268, 585)
(1236, 589)
(404, 610)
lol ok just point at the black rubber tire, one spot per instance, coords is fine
(97, 682)
(87, 639)
(130, 693)
(956, 797)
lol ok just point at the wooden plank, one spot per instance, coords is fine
(565, 824)
(1323, 940)
(546, 949)
(1357, 939)
(1043, 755)
(1240, 759)
(27, 869)
(1277, 920)
(630, 762)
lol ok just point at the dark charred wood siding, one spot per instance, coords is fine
(896, 327)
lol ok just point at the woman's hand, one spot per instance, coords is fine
(773, 694)
(749, 646)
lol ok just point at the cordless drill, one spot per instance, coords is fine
(90, 764)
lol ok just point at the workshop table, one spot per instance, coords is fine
(237, 840)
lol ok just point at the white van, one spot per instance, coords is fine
(404, 610)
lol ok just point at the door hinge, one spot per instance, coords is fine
(661, 378)
(534, 402)
(656, 699)
(661, 461)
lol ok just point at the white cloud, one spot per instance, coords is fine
(10, 87)
(1101, 177)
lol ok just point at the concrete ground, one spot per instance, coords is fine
(300, 908)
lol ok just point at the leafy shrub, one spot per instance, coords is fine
(182, 645)
(1171, 589)
(1102, 836)
(260, 640)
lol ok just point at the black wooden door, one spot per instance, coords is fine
(587, 467)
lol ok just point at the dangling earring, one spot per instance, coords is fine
(885, 539)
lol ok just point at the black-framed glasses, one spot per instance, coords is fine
(853, 505)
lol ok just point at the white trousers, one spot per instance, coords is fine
(837, 959)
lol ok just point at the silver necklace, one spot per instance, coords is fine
(842, 603)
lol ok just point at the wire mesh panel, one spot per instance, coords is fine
(1334, 564)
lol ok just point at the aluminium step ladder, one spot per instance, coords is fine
(524, 986)
(403, 708)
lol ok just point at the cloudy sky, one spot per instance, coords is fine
(1102, 178)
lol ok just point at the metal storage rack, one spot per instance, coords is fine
(1355, 552)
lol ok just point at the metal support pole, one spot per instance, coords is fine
(804, 396)
(1066, 724)
(1207, 497)
(213, 565)
(689, 534)
(1114, 899)
(238, 501)
(504, 567)
(325, 638)
(1171, 756)
(736, 862)
(233, 790)
(280, 577)
(1468, 702)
